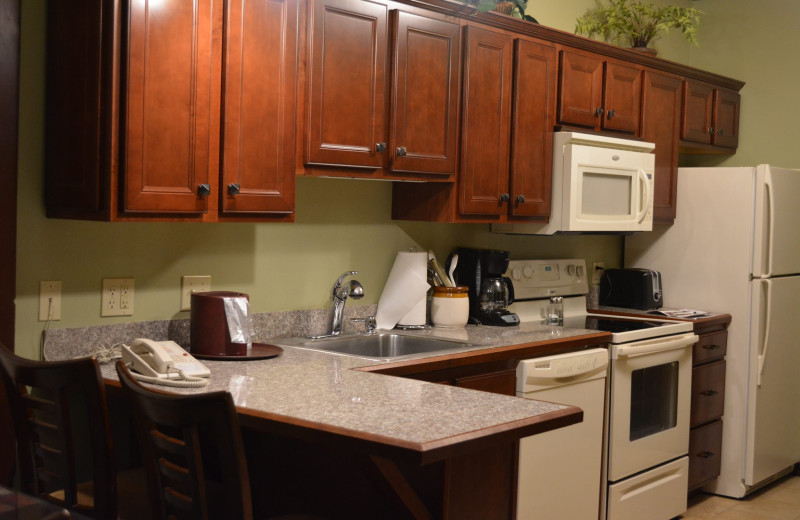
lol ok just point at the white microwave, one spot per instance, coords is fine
(601, 184)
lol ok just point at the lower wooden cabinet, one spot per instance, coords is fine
(704, 453)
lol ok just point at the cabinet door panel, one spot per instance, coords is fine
(532, 129)
(580, 89)
(622, 98)
(726, 118)
(168, 105)
(425, 95)
(661, 112)
(347, 83)
(486, 122)
(259, 106)
(697, 112)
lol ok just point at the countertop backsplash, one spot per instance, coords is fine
(77, 342)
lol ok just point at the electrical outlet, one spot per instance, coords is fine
(50, 300)
(117, 298)
(190, 284)
(597, 272)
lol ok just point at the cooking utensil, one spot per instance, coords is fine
(453, 264)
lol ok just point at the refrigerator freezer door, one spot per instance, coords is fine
(777, 218)
(773, 428)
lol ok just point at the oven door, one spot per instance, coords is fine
(649, 403)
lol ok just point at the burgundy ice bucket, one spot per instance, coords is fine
(208, 325)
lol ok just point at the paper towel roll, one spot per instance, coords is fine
(403, 299)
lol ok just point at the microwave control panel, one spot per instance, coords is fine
(544, 278)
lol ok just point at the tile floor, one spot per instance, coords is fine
(779, 501)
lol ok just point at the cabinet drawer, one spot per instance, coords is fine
(710, 346)
(708, 392)
(503, 382)
(705, 445)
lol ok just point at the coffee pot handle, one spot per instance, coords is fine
(510, 287)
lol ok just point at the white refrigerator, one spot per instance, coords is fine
(735, 248)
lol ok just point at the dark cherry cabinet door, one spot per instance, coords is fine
(486, 126)
(661, 115)
(259, 115)
(698, 99)
(424, 95)
(726, 118)
(346, 83)
(168, 104)
(532, 124)
(581, 89)
(622, 97)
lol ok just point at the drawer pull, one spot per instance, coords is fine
(709, 393)
(705, 454)
(712, 346)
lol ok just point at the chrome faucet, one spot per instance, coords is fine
(339, 294)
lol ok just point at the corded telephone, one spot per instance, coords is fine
(164, 363)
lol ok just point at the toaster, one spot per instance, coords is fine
(631, 289)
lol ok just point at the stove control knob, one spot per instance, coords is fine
(580, 271)
(516, 274)
(570, 269)
(527, 271)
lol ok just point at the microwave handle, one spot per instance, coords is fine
(643, 210)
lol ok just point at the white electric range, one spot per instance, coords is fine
(644, 473)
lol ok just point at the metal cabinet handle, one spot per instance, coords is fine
(598, 111)
(380, 147)
(705, 454)
(711, 130)
(233, 189)
(520, 199)
(401, 151)
(712, 346)
(612, 113)
(204, 190)
(709, 393)
(505, 197)
(720, 131)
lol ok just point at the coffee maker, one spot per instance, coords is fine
(490, 293)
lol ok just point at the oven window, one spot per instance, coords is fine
(654, 400)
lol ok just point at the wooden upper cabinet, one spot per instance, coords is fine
(533, 117)
(662, 96)
(168, 105)
(710, 115)
(599, 94)
(346, 83)
(424, 123)
(259, 116)
(486, 123)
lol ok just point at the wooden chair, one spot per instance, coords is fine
(193, 452)
(60, 419)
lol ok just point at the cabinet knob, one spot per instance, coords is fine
(711, 130)
(204, 190)
(612, 113)
(505, 197)
(233, 189)
(598, 111)
(401, 151)
(380, 147)
(719, 131)
(520, 199)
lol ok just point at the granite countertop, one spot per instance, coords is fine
(323, 391)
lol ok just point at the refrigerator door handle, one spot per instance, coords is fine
(768, 235)
(762, 354)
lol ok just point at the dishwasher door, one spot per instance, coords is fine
(560, 470)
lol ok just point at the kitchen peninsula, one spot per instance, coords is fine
(321, 429)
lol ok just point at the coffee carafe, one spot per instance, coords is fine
(490, 293)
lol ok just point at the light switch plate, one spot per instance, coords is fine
(190, 284)
(49, 300)
(117, 298)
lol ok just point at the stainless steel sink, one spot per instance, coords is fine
(383, 345)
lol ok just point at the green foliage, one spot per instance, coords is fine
(483, 6)
(637, 24)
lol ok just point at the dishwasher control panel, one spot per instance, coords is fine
(539, 373)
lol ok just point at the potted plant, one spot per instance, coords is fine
(637, 24)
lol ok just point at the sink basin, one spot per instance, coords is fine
(383, 345)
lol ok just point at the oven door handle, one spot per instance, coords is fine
(684, 341)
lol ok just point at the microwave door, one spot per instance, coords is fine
(606, 199)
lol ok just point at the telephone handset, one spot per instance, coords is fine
(163, 362)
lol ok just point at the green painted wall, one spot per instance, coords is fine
(341, 224)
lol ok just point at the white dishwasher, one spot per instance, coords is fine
(560, 470)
